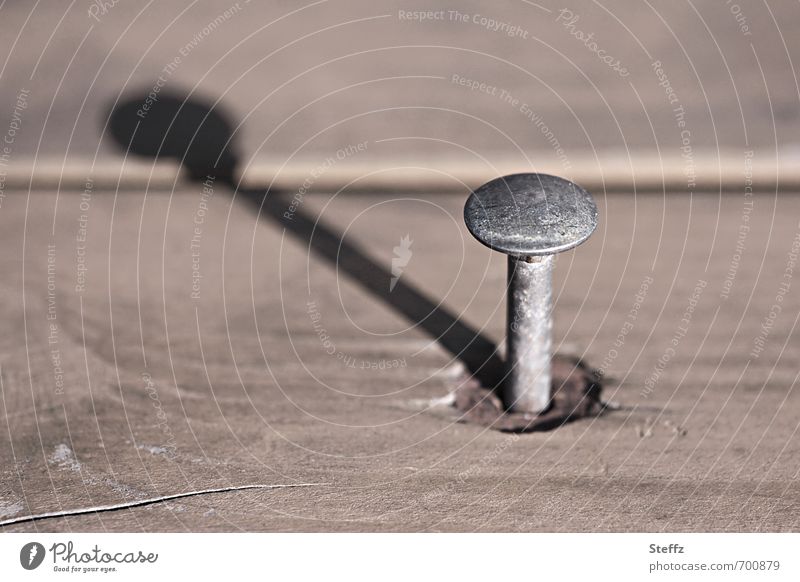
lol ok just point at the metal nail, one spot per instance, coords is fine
(530, 218)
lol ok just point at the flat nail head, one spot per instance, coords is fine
(527, 215)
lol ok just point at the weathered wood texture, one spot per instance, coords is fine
(163, 393)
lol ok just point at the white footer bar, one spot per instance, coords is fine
(378, 557)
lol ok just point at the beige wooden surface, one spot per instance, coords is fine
(164, 394)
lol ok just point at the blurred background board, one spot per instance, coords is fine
(524, 79)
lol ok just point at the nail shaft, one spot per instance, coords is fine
(529, 333)
(530, 218)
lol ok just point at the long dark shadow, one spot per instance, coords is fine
(200, 136)
(478, 353)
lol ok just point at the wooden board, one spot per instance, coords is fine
(164, 393)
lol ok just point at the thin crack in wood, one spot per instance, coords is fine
(141, 502)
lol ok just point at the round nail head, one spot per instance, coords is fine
(530, 214)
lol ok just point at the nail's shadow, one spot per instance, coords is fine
(477, 352)
(170, 125)
(200, 136)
